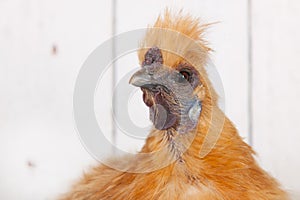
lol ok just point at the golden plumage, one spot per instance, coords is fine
(228, 172)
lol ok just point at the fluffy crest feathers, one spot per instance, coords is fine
(180, 37)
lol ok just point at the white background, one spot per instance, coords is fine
(43, 44)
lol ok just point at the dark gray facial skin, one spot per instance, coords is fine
(167, 93)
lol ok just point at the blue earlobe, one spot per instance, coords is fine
(195, 111)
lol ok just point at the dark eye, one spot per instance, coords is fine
(186, 75)
(189, 74)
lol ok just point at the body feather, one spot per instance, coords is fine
(228, 172)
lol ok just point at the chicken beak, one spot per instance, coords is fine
(143, 78)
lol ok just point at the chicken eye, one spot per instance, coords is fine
(186, 75)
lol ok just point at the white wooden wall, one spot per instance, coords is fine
(43, 44)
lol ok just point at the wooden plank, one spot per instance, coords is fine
(276, 78)
(228, 39)
(42, 47)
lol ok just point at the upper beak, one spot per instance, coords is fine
(141, 78)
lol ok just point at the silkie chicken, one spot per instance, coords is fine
(193, 150)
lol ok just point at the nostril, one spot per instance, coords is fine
(150, 69)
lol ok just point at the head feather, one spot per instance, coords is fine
(180, 38)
